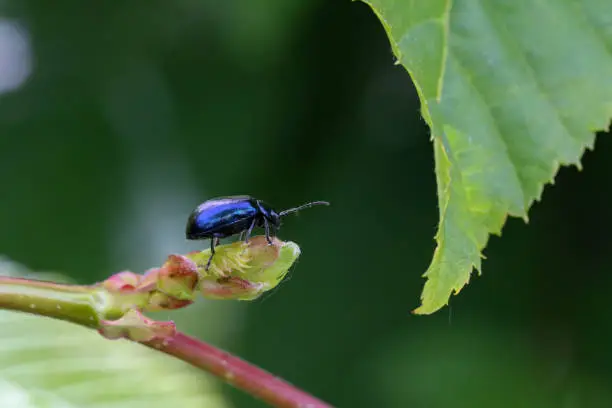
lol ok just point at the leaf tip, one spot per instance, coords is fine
(426, 309)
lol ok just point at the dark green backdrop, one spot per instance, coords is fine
(136, 111)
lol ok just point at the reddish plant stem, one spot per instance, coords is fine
(89, 305)
(237, 372)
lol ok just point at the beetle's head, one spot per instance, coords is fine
(268, 214)
(274, 219)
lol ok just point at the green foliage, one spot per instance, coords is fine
(49, 363)
(511, 91)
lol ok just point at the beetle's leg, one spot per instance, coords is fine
(248, 234)
(217, 240)
(241, 236)
(212, 252)
(267, 226)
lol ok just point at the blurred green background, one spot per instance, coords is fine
(118, 118)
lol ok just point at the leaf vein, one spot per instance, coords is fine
(461, 69)
(511, 45)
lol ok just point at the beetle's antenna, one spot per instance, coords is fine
(301, 207)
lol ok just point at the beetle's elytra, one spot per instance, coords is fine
(226, 216)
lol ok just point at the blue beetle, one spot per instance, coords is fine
(226, 216)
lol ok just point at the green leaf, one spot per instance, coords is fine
(511, 90)
(50, 363)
